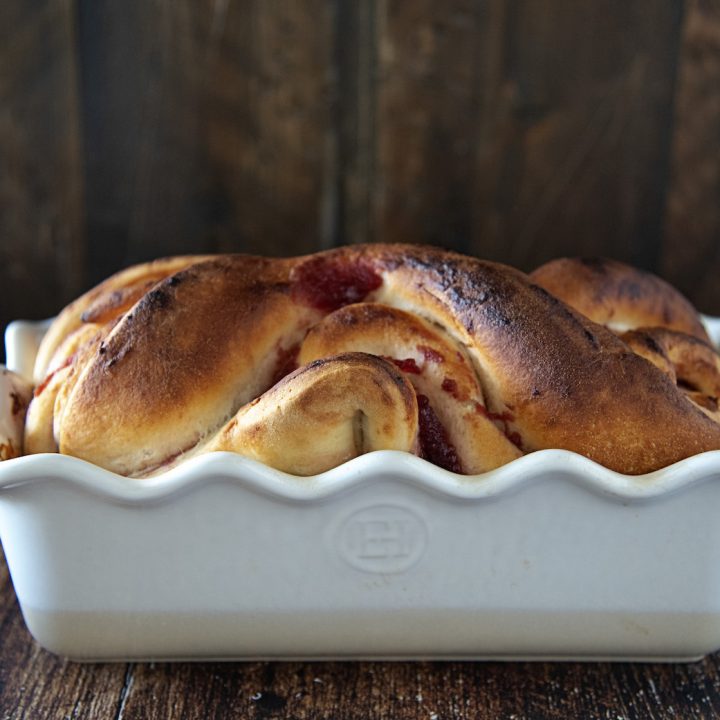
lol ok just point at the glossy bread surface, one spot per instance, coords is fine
(137, 387)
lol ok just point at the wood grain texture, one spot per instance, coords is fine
(427, 83)
(208, 127)
(271, 135)
(526, 130)
(35, 684)
(574, 130)
(691, 248)
(356, 63)
(41, 191)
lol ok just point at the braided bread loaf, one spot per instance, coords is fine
(305, 363)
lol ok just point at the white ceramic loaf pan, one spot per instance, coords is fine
(387, 556)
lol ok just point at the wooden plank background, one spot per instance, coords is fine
(42, 233)
(516, 130)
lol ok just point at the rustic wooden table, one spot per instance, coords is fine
(35, 684)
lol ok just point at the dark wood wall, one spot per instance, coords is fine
(516, 130)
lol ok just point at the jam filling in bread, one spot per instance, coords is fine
(305, 363)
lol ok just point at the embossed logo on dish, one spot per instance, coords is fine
(382, 539)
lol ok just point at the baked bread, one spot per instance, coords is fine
(649, 315)
(619, 296)
(307, 362)
(15, 396)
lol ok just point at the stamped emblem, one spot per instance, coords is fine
(382, 539)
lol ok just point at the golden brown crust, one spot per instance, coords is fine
(176, 367)
(618, 295)
(105, 302)
(191, 356)
(437, 368)
(325, 413)
(570, 383)
(691, 364)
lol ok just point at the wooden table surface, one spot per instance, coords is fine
(35, 684)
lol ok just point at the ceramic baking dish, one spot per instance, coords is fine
(551, 556)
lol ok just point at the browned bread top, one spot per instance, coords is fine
(465, 362)
(618, 295)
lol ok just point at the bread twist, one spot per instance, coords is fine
(648, 314)
(305, 363)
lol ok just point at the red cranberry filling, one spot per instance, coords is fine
(503, 418)
(407, 365)
(330, 283)
(430, 354)
(51, 375)
(286, 363)
(435, 445)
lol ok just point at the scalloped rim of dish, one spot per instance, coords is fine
(406, 468)
(223, 466)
